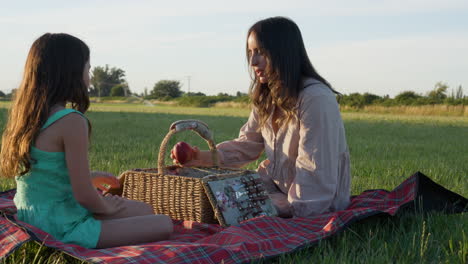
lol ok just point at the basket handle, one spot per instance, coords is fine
(196, 126)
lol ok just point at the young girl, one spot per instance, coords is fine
(295, 120)
(45, 146)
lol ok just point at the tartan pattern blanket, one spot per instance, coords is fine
(253, 239)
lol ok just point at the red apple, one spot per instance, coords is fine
(182, 152)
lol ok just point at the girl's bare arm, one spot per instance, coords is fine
(74, 130)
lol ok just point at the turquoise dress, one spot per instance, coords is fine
(44, 197)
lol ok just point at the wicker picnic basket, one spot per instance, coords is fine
(195, 193)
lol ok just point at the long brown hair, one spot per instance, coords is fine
(280, 40)
(53, 74)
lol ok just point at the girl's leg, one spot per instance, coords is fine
(134, 230)
(131, 208)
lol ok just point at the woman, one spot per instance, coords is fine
(295, 120)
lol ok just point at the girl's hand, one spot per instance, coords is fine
(104, 180)
(114, 204)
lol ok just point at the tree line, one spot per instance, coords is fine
(439, 95)
(111, 81)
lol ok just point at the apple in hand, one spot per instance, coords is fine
(182, 152)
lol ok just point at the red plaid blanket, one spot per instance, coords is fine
(253, 239)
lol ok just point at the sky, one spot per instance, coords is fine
(376, 46)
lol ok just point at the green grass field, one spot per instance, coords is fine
(385, 150)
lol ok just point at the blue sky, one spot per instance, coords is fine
(377, 46)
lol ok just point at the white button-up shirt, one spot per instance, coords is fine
(307, 166)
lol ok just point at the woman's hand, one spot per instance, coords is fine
(184, 154)
(179, 153)
(104, 180)
(280, 202)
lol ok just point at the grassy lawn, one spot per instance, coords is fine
(385, 150)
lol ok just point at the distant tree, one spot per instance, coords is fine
(459, 94)
(104, 78)
(120, 90)
(223, 94)
(2, 94)
(386, 101)
(370, 98)
(355, 100)
(12, 93)
(239, 94)
(166, 89)
(195, 94)
(407, 97)
(439, 93)
(242, 98)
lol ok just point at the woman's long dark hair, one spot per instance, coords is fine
(53, 74)
(280, 41)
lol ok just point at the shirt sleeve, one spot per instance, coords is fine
(314, 186)
(246, 148)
